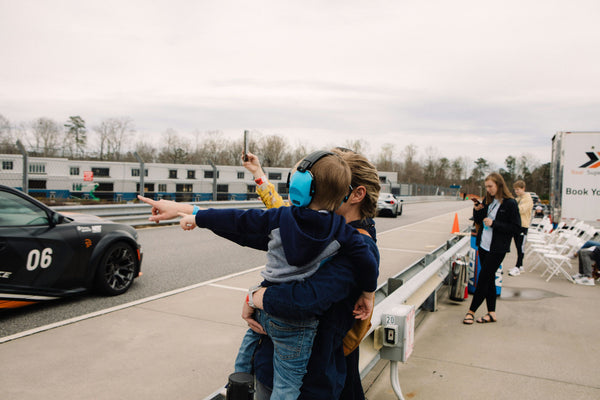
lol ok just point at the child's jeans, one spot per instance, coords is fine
(292, 346)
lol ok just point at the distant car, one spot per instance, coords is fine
(46, 255)
(388, 204)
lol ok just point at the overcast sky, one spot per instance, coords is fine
(474, 78)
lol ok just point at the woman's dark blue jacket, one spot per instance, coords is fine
(506, 224)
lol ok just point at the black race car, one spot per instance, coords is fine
(45, 255)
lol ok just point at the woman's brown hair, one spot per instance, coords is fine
(500, 184)
(363, 174)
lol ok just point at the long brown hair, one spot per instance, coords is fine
(500, 184)
(363, 174)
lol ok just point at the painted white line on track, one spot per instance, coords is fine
(229, 287)
(122, 306)
(415, 223)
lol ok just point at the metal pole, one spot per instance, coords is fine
(214, 185)
(25, 167)
(142, 172)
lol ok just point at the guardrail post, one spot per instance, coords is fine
(214, 184)
(142, 172)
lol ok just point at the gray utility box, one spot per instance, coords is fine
(398, 330)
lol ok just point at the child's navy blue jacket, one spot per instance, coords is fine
(331, 294)
(303, 235)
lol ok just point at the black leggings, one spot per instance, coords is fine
(486, 283)
(519, 240)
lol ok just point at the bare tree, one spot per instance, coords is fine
(7, 141)
(273, 152)
(442, 172)
(76, 135)
(358, 146)
(147, 152)
(411, 171)
(174, 150)
(46, 136)
(385, 158)
(113, 134)
(456, 171)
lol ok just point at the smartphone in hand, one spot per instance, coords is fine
(246, 145)
(476, 201)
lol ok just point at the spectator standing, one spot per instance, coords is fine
(499, 219)
(587, 257)
(525, 203)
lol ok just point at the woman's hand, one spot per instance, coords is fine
(488, 221)
(165, 209)
(248, 316)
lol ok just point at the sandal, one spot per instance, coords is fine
(469, 319)
(483, 320)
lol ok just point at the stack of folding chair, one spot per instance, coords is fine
(541, 241)
(562, 247)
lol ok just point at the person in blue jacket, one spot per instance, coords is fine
(330, 293)
(499, 220)
(299, 239)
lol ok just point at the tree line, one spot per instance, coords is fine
(113, 139)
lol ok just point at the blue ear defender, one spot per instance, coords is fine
(301, 183)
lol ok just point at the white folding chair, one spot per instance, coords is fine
(561, 257)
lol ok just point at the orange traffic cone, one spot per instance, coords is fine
(455, 228)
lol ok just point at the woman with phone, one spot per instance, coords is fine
(498, 219)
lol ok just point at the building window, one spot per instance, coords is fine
(77, 187)
(251, 188)
(282, 188)
(37, 168)
(101, 171)
(136, 172)
(74, 171)
(382, 179)
(172, 174)
(7, 165)
(148, 187)
(191, 174)
(241, 175)
(162, 187)
(184, 188)
(274, 176)
(37, 184)
(105, 187)
(209, 174)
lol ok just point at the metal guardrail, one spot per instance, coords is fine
(137, 214)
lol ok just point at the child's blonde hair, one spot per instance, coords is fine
(519, 184)
(332, 179)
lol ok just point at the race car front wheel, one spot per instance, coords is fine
(116, 271)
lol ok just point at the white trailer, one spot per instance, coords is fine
(575, 177)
